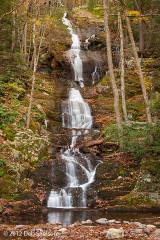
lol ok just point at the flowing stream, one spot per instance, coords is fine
(76, 116)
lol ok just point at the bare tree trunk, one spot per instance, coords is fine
(50, 33)
(29, 51)
(141, 30)
(34, 72)
(138, 65)
(13, 29)
(36, 36)
(124, 108)
(25, 42)
(141, 37)
(25, 33)
(149, 41)
(110, 65)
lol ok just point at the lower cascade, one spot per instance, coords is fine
(76, 116)
(80, 171)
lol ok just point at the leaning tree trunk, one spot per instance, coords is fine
(138, 65)
(110, 65)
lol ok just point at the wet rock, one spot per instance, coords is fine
(157, 224)
(89, 93)
(20, 226)
(102, 221)
(42, 175)
(77, 224)
(111, 222)
(126, 222)
(137, 231)
(63, 231)
(117, 222)
(27, 195)
(157, 232)
(114, 233)
(140, 225)
(149, 228)
(87, 222)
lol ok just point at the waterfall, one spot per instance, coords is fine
(76, 116)
(87, 43)
(95, 75)
(75, 59)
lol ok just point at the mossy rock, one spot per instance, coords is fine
(151, 165)
(138, 199)
(34, 126)
(24, 184)
(149, 178)
(111, 194)
(110, 170)
(33, 147)
(8, 186)
(56, 116)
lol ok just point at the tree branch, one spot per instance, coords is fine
(15, 8)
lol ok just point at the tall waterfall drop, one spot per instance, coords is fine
(75, 59)
(76, 116)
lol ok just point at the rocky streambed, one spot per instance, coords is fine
(100, 229)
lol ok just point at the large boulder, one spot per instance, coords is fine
(32, 147)
(114, 233)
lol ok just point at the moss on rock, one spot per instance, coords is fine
(33, 147)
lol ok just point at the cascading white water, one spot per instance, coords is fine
(75, 59)
(95, 76)
(87, 43)
(76, 115)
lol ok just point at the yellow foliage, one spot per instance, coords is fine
(133, 13)
(147, 83)
(47, 17)
(145, 19)
(38, 22)
(137, 17)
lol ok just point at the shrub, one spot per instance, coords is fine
(91, 4)
(155, 103)
(138, 139)
(6, 115)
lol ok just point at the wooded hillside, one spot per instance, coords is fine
(35, 76)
